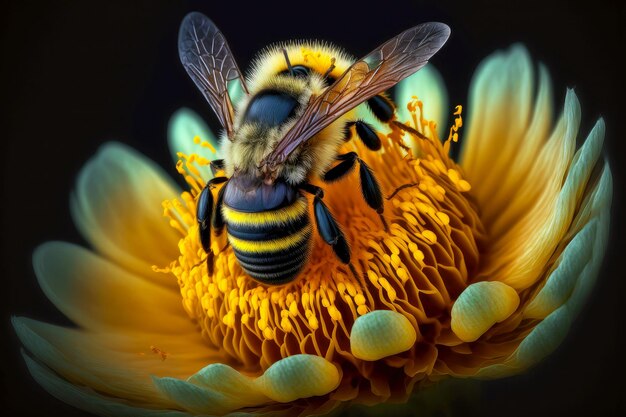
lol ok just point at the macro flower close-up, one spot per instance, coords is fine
(491, 228)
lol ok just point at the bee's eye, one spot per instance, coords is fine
(300, 71)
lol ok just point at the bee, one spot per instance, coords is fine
(297, 110)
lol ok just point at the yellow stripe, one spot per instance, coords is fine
(275, 245)
(262, 218)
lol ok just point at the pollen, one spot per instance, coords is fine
(416, 268)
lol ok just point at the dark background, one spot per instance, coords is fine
(77, 74)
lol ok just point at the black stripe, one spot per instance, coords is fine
(267, 231)
(268, 258)
(276, 278)
(276, 267)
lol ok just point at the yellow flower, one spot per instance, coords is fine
(485, 265)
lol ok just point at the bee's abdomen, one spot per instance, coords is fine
(271, 246)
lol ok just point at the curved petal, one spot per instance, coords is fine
(561, 282)
(183, 127)
(551, 331)
(428, 85)
(96, 294)
(119, 365)
(117, 206)
(500, 104)
(217, 388)
(526, 233)
(598, 208)
(88, 400)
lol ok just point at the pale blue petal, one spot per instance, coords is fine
(216, 389)
(428, 85)
(542, 341)
(117, 207)
(88, 400)
(582, 164)
(184, 126)
(551, 331)
(192, 397)
(562, 280)
(77, 356)
(229, 382)
(601, 208)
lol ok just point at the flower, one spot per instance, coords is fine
(484, 267)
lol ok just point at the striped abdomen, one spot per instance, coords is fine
(272, 246)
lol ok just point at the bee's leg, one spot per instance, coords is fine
(365, 132)
(218, 218)
(382, 107)
(216, 165)
(204, 212)
(327, 226)
(369, 185)
(343, 168)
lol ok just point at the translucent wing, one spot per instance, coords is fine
(210, 64)
(380, 70)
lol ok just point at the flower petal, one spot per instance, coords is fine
(503, 196)
(113, 364)
(502, 85)
(526, 233)
(218, 388)
(600, 207)
(96, 294)
(86, 399)
(184, 126)
(562, 280)
(480, 306)
(381, 333)
(542, 341)
(428, 85)
(117, 208)
(550, 332)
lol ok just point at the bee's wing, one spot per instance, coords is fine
(210, 64)
(378, 71)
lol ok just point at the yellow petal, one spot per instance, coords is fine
(381, 333)
(113, 364)
(96, 294)
(117, 208)
(88, 400)
(501, 189)
(500, 104)
(522, 241)
(480, 306)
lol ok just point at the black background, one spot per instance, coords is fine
(77, 74)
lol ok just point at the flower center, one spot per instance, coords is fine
(417, 268)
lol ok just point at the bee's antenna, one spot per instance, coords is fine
(288, 62)
(330, 69)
